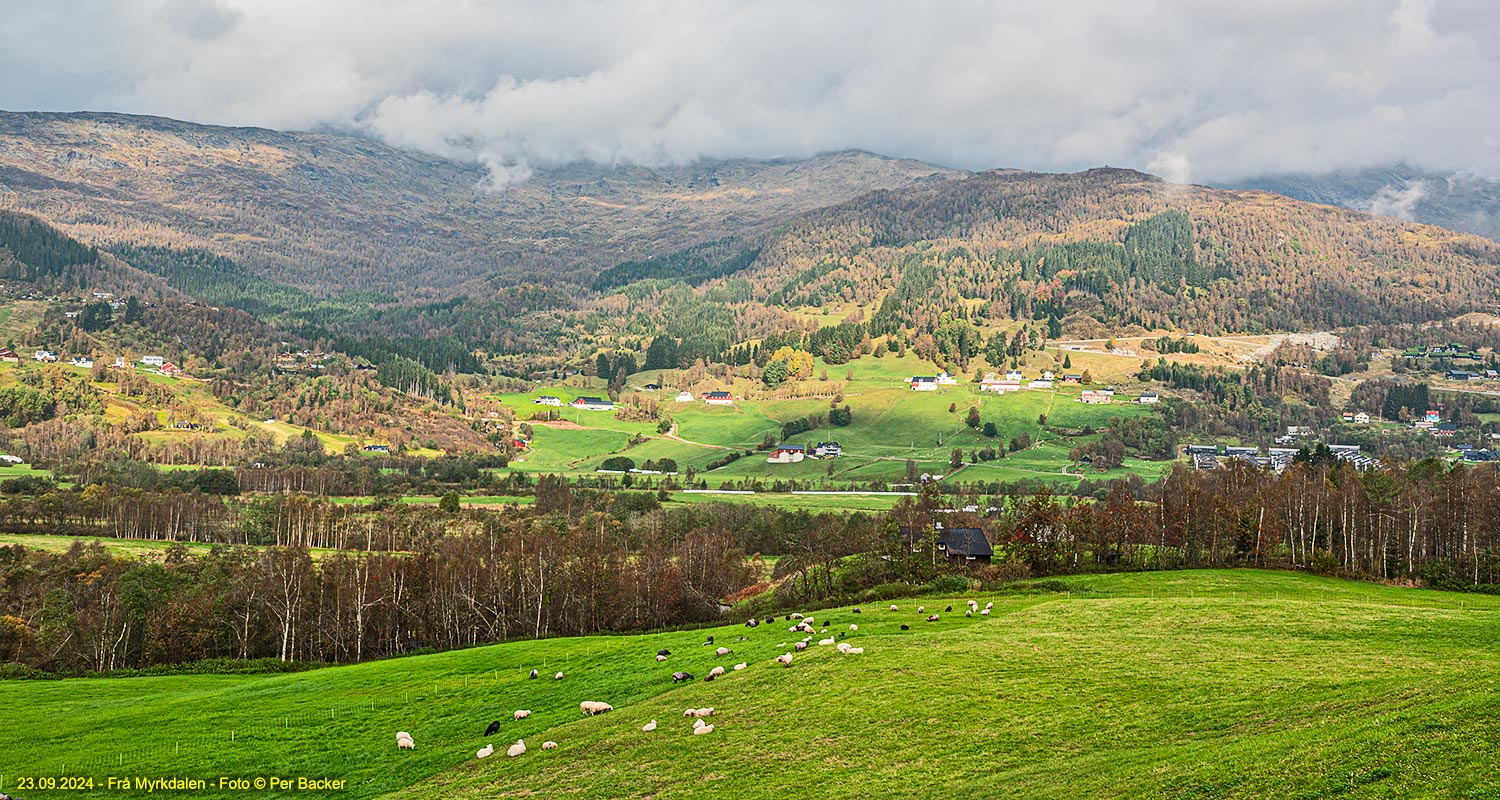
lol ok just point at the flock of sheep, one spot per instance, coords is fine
(801, 624)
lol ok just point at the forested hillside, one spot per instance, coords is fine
(1107, 249)
(331, 214)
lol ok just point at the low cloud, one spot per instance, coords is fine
(1399, 201)
(1196, 91)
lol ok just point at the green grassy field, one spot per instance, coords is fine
(1214, 684)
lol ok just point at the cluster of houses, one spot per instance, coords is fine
(793, 453)
(302, 361)
(1476, 375)
(603, 404)
(1276, 459)
(930, 383)
(154, 363)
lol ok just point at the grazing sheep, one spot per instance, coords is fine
(557, 677)
(932, 618)
(750, 623)
(549, 745)
(785, 659)
(679, 677)
(516, 749)
(825, 642)
(853, 627)
(921, 609)
(723, 651)
(844, 647)
(692, 712)
(716, 672)
(702, 730)
(984, 613)
(708, 679)
(660, 659)
(969, 613)
(948, 610)
(973, 604)
(523, 714)
(649, 727)
(893, 606)
(710, 640)
(905, 627)
(402, 735)
(770, 619)
(404, 741)
(493, 728)
(592, 707)
(664, 652)
(740, 666)
(485, 752)
(797, 616)
(799, 646)
(856, 609)
(855, 651)
(990, 604)
(698, 723)
(703, 712)
(533, 673)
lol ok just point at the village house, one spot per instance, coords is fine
(45, 356)
(1445, 429)
(9, 356)
(1047, 375)
(924, 383)
(118, 363)
(169, 369)
(12, 459)
(1148, 398)
(787, 454)
(958, 545)
(1040, 383)
(1072, 378)
(718, 399)
(547, 400)
(1457, 375)
(1094, 398)
(827, 450)
(153, 361)
(1014, 375)
(82, 361)
(1361, 418)
(593, 404)
(1432, 416)
(945, 379)
(684, 397)
(376, 448)
(652, 387)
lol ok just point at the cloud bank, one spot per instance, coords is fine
(1197, 91)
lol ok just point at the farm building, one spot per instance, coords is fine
(1040, 383)
(169, 369)
(827, 450)
(547, 400)
(9, 355)
(12, 459)
(684, 397)
(45, 356)
(82, 361)
(1014, 375)
(153, 361)
(946, 380)
(1457, 375)
(377, 448)
(965, 545)
(718, 399)
(652, 387)
(787, 454)
(1094, 398)
(1432, 416)
(924, 383)
(1072, 378)
(1147, 398)
(593, 404)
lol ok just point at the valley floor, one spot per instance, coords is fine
(1187, 684)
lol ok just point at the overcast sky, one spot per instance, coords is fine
(1203, 90)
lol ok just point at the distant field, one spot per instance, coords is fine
(1198, 684)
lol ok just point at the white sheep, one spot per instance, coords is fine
(844, 647)
(523, 714)
(723, 651)
(990, 604)
(705, 712)
(698, 723)
(921, 609)
(799, 646)
(557, 677)
(855, 651)
(649, 727)
(740, 666)
(702, 730)
(404, 741)
(660, 659)
(593, 707)
(549, 745)
(974, 604)
(825, 642)
(984, 613)
(716, 672)
(516, 749)
(796, 616)
(485, 752)
(785, 659)
(853, 627)
(893, 606)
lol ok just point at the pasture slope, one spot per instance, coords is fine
(1189, 684)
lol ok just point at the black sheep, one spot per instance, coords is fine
(948, 610)
(710, 640)
(905, 627)
(679, 677)
(662, 652)
(856, 611)
(493, 728)
(708, 678)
